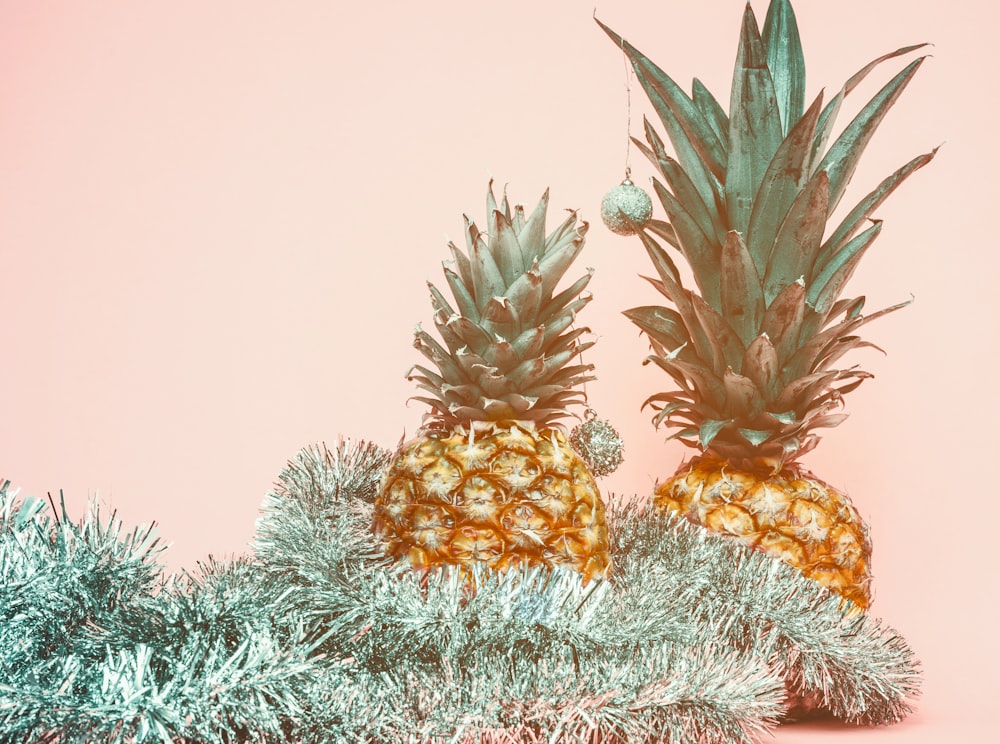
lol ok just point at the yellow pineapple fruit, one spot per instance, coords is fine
(490, 478)
(788, 513)
(754, 350)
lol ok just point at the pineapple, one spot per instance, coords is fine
(490, 478)
(753, 351)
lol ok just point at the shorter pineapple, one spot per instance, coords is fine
(490, 477)
(507, 494)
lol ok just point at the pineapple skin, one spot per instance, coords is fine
(503, 494)
(789, 514)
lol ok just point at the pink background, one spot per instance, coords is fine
(216, 221)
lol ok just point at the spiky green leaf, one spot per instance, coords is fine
(742, 293)
(439, 302)
(700, 250)
(460, 290)
(801, 390)
(555, 325)
(471, 334)
(664, 265)
(684, 189)
(743, 398)
(555, 263)
(709, 429)
(830, 282)
(754, 125)
(784, 417)
(501, 318)
(487, 279)
(569, 341)
(532, 236)
(785, 61)
(842, 159)
(864, 209)
(784, 179)
(662, 324)
(850, 308)
(726, 347)
(812, 348)
(558, 304)
(832, 354)
(664, 230)
(760, 364)
(799, 238)
(783, 320)
(430, 376)
(712, 110)
(756, 437)
(506, 248)
(431, 349)
(676, 410)
(824, 127)
(460, 259)
(525, 294)
(695, 377)
(502, 355)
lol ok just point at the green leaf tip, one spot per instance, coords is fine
(786, 61)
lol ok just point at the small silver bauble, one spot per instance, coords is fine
(598, 444)
(626, 200)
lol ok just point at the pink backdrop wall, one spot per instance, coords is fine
(216, 220)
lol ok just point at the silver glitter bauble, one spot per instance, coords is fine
(629, 200)
(598, 444)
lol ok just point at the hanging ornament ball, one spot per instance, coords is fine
(626, 200)
(598, 444)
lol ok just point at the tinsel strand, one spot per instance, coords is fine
(317, 637)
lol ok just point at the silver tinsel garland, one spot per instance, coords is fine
(318, 638)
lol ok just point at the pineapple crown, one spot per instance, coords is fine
(509, 339)
(748, 197)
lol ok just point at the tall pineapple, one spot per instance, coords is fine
(754, 351)
(490, 478)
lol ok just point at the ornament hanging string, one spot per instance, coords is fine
(628, 113)
(626, 206)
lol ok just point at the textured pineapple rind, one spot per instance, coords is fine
(789, 514)
(499, 494)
